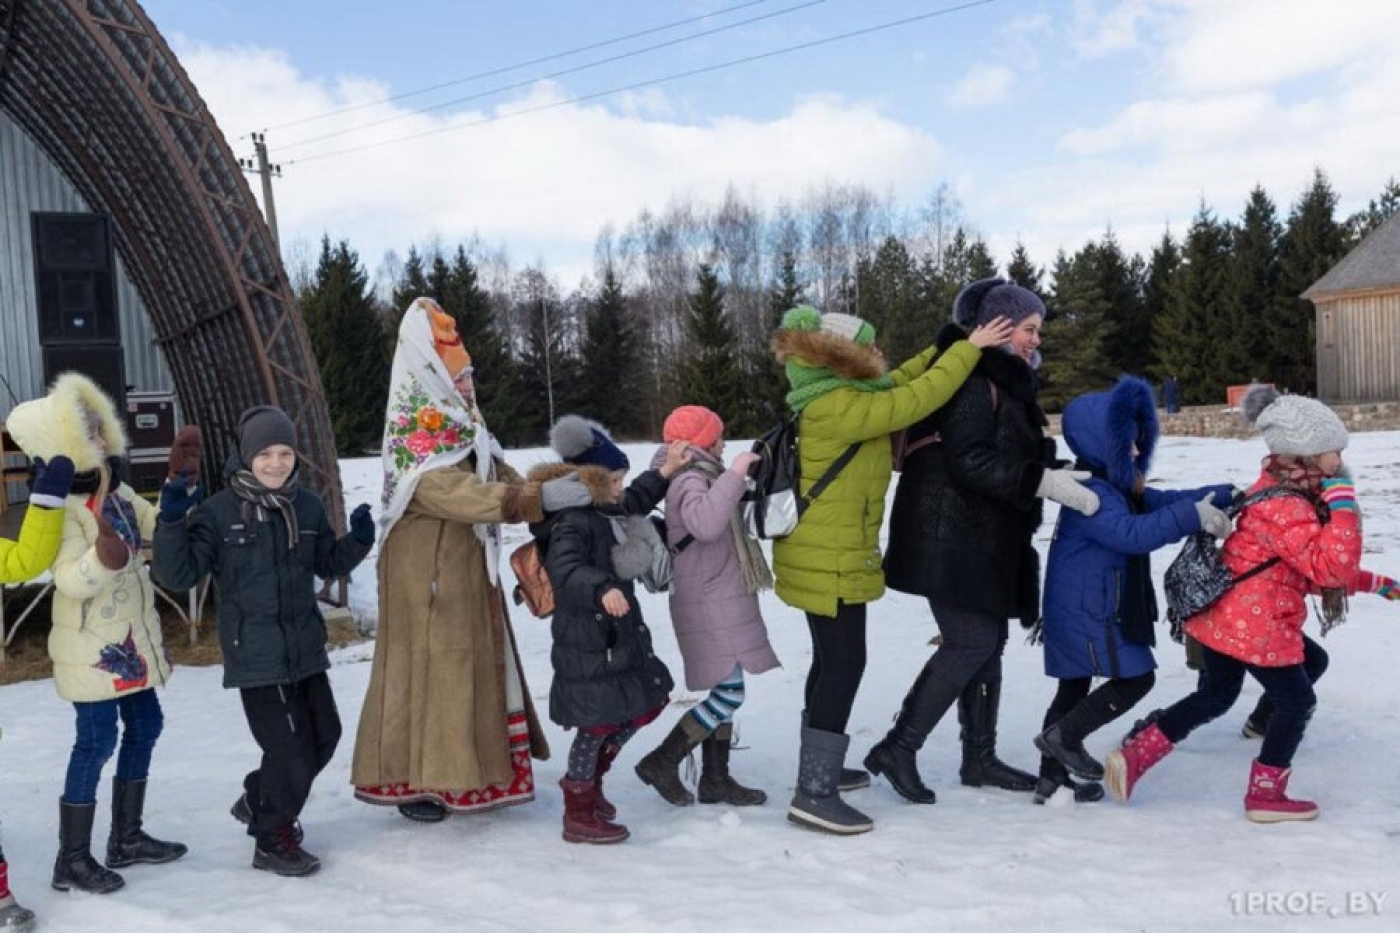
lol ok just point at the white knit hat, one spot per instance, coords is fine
(849, 327)
(1294, 425)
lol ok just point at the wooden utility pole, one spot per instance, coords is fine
(261, 167)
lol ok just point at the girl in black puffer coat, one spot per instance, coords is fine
(608, 681)
(964, 513)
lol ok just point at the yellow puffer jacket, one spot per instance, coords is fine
(34, 550)
(834, 553)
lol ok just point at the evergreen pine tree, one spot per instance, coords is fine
(892, 300)
(1376, 213)
(1253, 298)
(1161, 268)
(612, 378)
(1022, 271)
(1313, 243)
(347, 340)
(1076, 337)
(770, 386)
(709, 371)
(1189, 330)
(1127, 344)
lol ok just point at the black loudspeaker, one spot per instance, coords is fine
(100, 363)
(75, 278)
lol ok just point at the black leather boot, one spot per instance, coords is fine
(977, 712)
(660, 768)
(128, 844)
(895, 756)
(75, 867)
(1063, 740)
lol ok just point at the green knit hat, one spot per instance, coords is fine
(845, 326)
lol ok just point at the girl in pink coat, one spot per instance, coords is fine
(718, 571)
(1309, 542)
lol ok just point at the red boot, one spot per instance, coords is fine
(582, 821)
(607, 754)
(1124, 766)
(1266, 801)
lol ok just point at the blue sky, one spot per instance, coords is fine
(1052, 120)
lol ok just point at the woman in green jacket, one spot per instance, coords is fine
(830, 566)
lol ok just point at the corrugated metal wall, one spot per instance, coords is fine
(1356, 340)
(30, 182)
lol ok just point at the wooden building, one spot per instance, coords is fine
(1358, 321)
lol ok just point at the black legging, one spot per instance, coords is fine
(1073, 690)
(838, 663)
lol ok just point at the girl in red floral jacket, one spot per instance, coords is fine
(1310, 542)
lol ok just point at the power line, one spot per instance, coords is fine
(958, 8)
(516, 67)
(556, 74)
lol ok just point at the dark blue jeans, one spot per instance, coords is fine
(1289, 688)
(96, 739)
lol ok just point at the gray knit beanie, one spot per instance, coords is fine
(261, 427)
(1293, 425)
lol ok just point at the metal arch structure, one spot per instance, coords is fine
(100, 91)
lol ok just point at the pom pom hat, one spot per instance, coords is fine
(1293, 425)
(694, 424)
(586, 443)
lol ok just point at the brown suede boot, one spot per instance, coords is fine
(661, 767)
(716, 786)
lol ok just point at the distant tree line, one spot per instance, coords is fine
(682, 303)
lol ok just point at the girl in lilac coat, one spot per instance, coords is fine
(718, 570)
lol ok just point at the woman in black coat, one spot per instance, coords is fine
(965, 509)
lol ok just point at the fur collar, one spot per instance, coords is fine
(1102, 427)
(55, 424)
(595, 478)
(846, 359)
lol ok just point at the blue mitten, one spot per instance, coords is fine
(362, 524)
(52, 480)
(177, 498)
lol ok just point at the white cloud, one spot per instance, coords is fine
(1098, 29)
(543, 182)
(982, 85)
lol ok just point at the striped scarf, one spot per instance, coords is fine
(263, 501)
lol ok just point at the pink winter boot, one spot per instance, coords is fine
(1266, 801)
(1124, 766)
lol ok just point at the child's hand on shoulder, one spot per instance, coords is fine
(678, 456)
(742, 463)
(614, 603)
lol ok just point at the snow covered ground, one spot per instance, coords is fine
(1180, 857)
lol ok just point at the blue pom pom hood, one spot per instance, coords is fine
(1102, 427)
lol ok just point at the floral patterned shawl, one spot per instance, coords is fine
(429, 426)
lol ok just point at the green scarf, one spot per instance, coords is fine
(810, 383)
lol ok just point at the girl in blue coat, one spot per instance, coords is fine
(1099, 606)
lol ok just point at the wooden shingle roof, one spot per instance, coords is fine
(1374, 263)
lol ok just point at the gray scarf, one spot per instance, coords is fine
(757, 576)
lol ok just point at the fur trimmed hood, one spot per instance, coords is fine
(57, 423)
(1102, 427)
(597, 479)
(846, 359)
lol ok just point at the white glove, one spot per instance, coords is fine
(1212, 519)
(564, 492)
(1063, 486)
